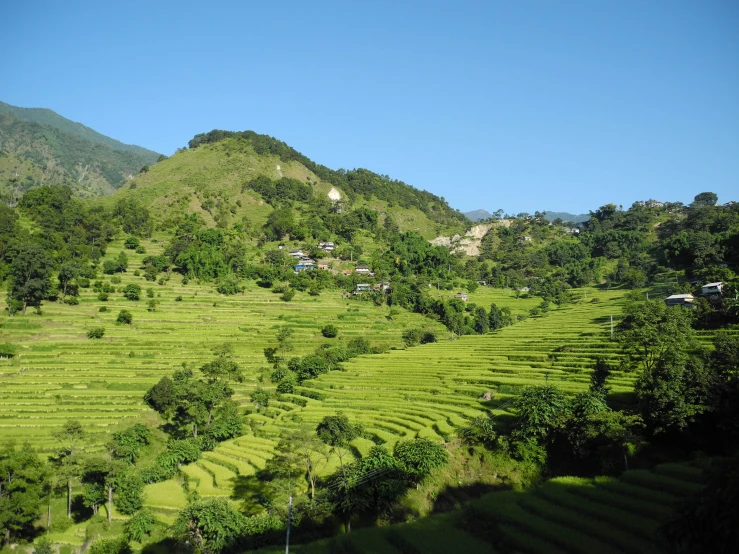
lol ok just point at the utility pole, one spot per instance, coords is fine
(611, 327)
(289, 521)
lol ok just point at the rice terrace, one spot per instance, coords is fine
(235, 348)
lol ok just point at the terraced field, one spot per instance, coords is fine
(427, 391)
(565, 515)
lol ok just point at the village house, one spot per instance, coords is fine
(362, 288)
(297, 253)
(711, 289)
(326, 246)
(305, 264)
(684, 300)
(461, 296)
(363, 270)
(525, 239)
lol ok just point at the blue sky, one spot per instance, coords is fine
(523, 106)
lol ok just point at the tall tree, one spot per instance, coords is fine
(71, 440)
(30, 275)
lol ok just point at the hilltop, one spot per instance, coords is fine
(226, 176)
(39, 146)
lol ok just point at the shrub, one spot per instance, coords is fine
(141, 250)
(427, 337)
(595, 300)
(178, 299)
(287, 295)
(151, 305)
(132, 291)
(103, 297)
(115, 279)
(412, 337)
(96, 333)
(83, 282)
(137, 273)
(72, 300)
(131, 243)
(8, 350)
(330, 331)
(103, 309)
(125, 317)
(150, 293)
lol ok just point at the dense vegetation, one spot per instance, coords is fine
(62, 152)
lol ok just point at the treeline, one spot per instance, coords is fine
(358, 182)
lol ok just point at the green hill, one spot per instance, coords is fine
(246, 174)
(38, 146)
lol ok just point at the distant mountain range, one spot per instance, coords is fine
(481, 215)
(38, 146)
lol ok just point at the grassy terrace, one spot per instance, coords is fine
(427, 391)
(564, 515)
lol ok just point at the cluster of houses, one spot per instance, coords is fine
(712, 292)
(366, 287)
(304, 262)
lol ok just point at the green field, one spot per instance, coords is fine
(564, 515)
(426, 391)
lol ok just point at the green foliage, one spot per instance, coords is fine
(24, 479)
(124, 317)
(96, 333)
(127, 444)
(419, 457)
(336, 431)
(330, 331)
(128, 497)
(132, 291)
(260, 398)
(43, 546)
(132, 243)
(8, 350)
(140, 525)
(539, 411)
(30, 275)
(209, 526)
(118, 545)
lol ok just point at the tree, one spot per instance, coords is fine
(539, 411)
(481, 324)
(71, 440)
(132, 291)
(24, 479)
(118, 545)
(44, 546)
(650, 332)
(336, 431)
(330, 331)
(601, 372)
(30, 275)
(209, 526)
(140, 525)
(704, 199)
(284, 341)
(68, 273)
(260, 398)
(124, 317)
(419, 457)
(129, 497)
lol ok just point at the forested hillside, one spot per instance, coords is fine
(38, 146)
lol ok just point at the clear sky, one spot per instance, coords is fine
(520, 105)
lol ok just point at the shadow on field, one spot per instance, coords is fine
(453, 498)
(250, 490)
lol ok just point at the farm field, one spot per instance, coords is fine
(426, 391)
(566, 515)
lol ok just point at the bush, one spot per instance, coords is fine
(287, 295)
(103, 309)
(132, 291)
(141, 250)
(72, 300)
(115, 279)
(150, 293)
(178, 299)
(125, 317)
(137, 273)
(83, 282)
(412, 337)
(151, 305)
(8, 350)
(131, 243)
(427, 337)
(103, 297)
(96, 333)
(330, 331)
